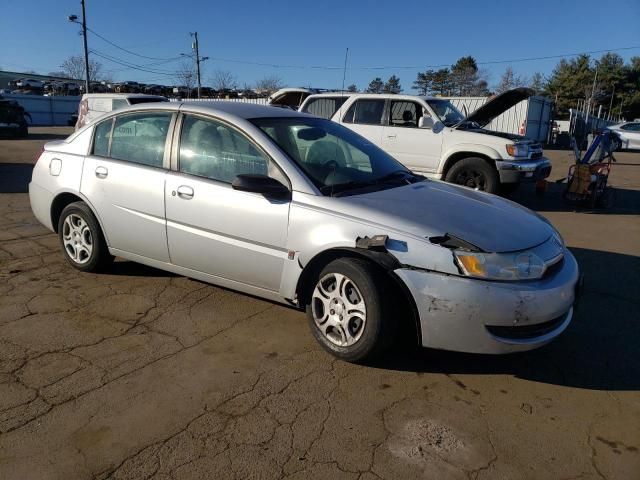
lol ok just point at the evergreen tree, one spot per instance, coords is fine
(375, 86)
(392, 85)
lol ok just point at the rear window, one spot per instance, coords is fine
(136, 100)
(324, 107)
(366, 112)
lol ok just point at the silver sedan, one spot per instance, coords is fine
(303, 211)
(628, 134)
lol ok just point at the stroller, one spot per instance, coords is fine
(587, 178)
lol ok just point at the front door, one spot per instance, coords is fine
(124, 177)
(211, 227)
(419, 149)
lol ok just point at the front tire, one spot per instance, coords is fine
(348, 313)
(476, 173)
(81, 238)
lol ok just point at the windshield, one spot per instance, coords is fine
(337, 160)
(444, 109)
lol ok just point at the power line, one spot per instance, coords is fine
(414, 67)
(132, 66)
(128, 51)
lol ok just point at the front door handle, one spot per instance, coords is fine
(391, 136)
(102, 172)
(185, 192)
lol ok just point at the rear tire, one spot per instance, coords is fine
(81, 238)
(347, 311)
(476, 173)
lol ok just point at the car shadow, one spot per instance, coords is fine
(598, 351)
(15, 177)
(617, 201)
(127, 268)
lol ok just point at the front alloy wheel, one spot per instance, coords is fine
(339, 310)
(348, 309)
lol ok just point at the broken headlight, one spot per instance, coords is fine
(501, 266)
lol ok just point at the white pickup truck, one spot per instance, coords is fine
(430, 136)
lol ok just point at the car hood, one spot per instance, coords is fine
(433, 208)
(499, 104)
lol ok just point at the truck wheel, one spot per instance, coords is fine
(348, 311)
(474, 172)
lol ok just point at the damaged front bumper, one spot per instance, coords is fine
(476, 316)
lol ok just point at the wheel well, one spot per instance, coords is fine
(385, 263)
(58, 204)
(456, 157)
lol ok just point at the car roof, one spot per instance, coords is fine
(332, 94)
(241, 110)
(120, 95)
(374, 95)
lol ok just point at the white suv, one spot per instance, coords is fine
(430, 136)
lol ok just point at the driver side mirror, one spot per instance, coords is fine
(425, 122)
(269, 187)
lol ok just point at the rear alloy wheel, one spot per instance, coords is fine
(347, 308)
(474, 172)
(82, 241)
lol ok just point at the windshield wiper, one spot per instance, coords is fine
(393, 175)
(354, 185)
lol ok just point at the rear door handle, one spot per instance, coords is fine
(391, 136)
(185, 192)
(102, 172)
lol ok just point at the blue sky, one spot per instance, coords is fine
(35, 35)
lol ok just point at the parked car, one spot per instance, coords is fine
(628, 134)
(94, 105)
(290, 97)
(13, 119)
(30, 83)
(431, 137)
(303, 211)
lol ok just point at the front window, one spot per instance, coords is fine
(446, 112)
(212, 149)
(337, 160)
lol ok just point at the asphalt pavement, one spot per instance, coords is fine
(137, 373)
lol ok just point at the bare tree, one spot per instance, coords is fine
(509, 80)
(269, 84)
(186, 75)
(223, 80)
(73, 67)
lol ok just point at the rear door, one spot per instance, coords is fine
(123, 178)
(417, 148)
(211, 227)
(364, 116)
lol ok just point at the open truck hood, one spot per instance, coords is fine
(498, 105)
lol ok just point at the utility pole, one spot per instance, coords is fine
(86, 50)
(199, 59)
